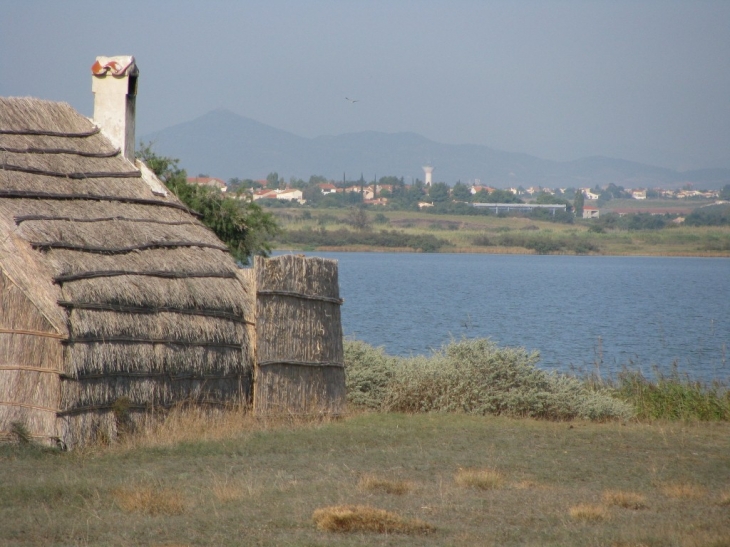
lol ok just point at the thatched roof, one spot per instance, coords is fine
(124, 273)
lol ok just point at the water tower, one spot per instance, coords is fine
(427, 170)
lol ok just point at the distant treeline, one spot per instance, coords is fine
(540, 243)
(342, 238)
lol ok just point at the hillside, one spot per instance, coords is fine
(223, 144)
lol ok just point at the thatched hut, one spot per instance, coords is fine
(114, 298)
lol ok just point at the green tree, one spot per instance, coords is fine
(578, 203)
(461, 192)
(272, 181)
(546, 198)
(359, 219)
(482, 196)
(239, 222)
(725, 192)
(439, 192)
(312, 194)
(497, 196)
(317, 179)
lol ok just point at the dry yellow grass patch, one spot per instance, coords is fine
(683, 490)
(371, 483)
(363, 518)
(226, 492)
(149, 500)
(588, 513)
(484, 479)
(627, 500)
(228, 488)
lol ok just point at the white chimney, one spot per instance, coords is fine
(114, 83)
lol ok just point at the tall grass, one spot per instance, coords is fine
(673, 397)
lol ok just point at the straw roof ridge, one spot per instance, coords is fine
(153, 310)
(77, 196)
(127, 357)
(218, 294)
(28, 115)
(34, 150)
(192, 259)
(47, 245)
(72, 174)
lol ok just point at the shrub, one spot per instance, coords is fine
(540, 243)
(368, 372)
(475, 377)
(385, 238)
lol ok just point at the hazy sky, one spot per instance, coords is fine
(641, 80)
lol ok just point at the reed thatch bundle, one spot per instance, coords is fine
(300, 358)
(111, 291)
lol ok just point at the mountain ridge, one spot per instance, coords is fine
(226, 145)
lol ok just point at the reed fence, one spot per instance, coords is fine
(299, 353)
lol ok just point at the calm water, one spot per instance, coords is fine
(574, 310)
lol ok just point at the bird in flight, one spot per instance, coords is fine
(353, 101)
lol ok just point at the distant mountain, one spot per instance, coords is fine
(225, 145)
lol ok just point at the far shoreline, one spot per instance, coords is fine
(495, 251)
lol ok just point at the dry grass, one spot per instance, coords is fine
(528, 485)
(372, 483)
(483, 479)
(586, 512)
(261, 486)
(724, 499)
(228, 489)
(683, 490)
(622, 498)
(150, 500)
(363, 518)
(194, 424)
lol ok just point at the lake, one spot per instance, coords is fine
(579, 312)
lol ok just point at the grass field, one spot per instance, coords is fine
(394, 479)
(508, 235)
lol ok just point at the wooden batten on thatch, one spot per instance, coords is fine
(111, 291)
(299, 353)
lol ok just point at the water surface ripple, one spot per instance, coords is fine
(577, 311)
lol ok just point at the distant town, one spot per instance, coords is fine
(394, 193)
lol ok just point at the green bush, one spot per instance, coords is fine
(540, 243)
(368, 372)
(474, 377)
